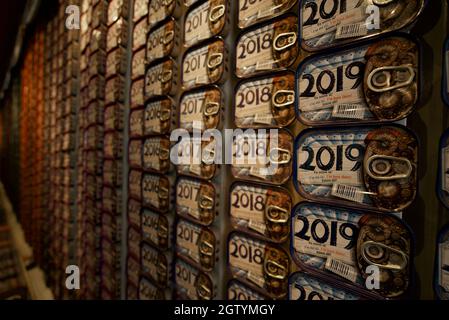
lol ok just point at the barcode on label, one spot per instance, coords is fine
(348, 111)
(350, 193)
(342, 269)
(351, 30)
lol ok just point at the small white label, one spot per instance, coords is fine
(342, 269)
(351, 31)
(349, 111)
(350, 193)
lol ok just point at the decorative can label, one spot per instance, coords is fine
(157, 229)
(155, 265)
(160, 78)
(156, 154)
(196, 199)
(205, 21)
(262, 155)
(359, 166)
(327, 24)
(161, 41)
(159, 10)
(196, 243)
(268, 48)
(158, 116)
(343, 243)
(192, 283)
(259, 264)
(204, 65)
(201, 108)
(347, 86)
(239, 292)
(252, 12)
(304, 287)
(261, 211)
(156, 192)
(266, 102)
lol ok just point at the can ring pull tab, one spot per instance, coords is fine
(214, 60)
(169, 36)
(274, 269)
(164, 154)
(280, 156)
(163, 193)
(162, 231)
(211, 108)
(283, 98)
(216, 13)
(276, 214)
(164, 115)
(378, 167)
(166, 76)
(375, 250)
(206, 248)
(284, 41)
(382, 2)
(203, 292)
(206, 203)
(380, 79)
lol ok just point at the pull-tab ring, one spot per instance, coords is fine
(287, 96)
(375, 250)
(291, 38)
(378, 166)
(216, 13)
(379, 79)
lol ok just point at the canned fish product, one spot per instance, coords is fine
(113, 117)
(149, 291)
(158, 116)
(263, 156)
(137, 93)
(113, 145)
(156, 154)
(259, 264)
(326, 24)
(345, 245)
(134, 239)
(261, 211)
(135, 148)
(370, 167)
(441, 283)
(136, 123)
(116, 62)
(375, 82)
(253, 11)
(138, 64)
(196, 164)
(205, 21)
(118, 35)
(115, 90)
(266, 102)
(161, 9)
(157, 192)
(193, 284)
(443, 170)
(112, 173)
(188, 3)
(271, 47)
(141, 9)
(157, 229)
(140, 34)
(304, 287)
(134, 214)
(196, 244)
(97, 40)
(163, 41)
(135, 184)
(161, 79)
(202, 108)
(204, 64)
(117, 9)
(156, 265)
(239, 292)
(196, 200)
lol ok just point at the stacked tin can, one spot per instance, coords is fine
(91, 147)
(344, 240)
(200, 201)
(114, 16)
